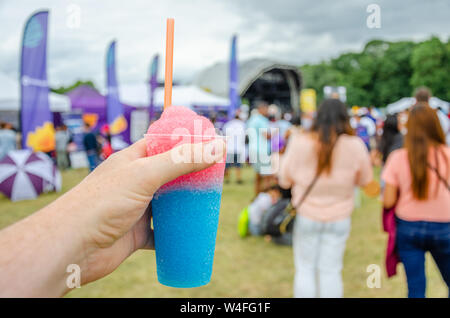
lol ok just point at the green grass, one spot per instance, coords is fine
(248, 267)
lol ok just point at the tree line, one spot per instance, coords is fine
(384, 71)
(66, 89)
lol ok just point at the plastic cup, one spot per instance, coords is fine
(185, 218)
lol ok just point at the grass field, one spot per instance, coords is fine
(248, 267)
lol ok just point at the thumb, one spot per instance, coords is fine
(184, 159)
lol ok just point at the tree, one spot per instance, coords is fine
(384, 71)
(394, 73)
(319, 75)
(64, 90)
(430, 61)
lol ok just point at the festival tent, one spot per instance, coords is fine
(87, 99)
(407, 102)
(135, 97)
(193, 97)
(92, 104)
(10, 97)
(186, 95)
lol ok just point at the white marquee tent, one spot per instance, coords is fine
(407, 102)
(10, 97)
(189, 96)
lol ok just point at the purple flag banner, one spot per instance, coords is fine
(114, 108)
(36, 119)
(234, 81)
(153, 84)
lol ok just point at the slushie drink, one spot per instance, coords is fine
(185, 210)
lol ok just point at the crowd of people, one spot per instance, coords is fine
(322, 163)
(96, 144)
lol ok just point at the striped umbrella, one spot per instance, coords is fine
(25, 174)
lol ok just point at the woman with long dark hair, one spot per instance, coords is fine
(417, 184)
(391, 139)
(322, 166)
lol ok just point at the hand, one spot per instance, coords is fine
(98, 223)
(119, 191)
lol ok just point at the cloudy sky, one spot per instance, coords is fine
(292, 31)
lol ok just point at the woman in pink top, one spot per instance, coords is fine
(417, 183)
(322, 226)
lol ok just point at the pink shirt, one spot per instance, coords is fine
(437, 207)
(332, 197)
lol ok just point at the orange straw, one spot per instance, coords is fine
(169, 64)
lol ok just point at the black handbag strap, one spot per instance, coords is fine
(307, 191)
(292, 209)
(441, 178)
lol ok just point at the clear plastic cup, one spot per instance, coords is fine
(185, 218)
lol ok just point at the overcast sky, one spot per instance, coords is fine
(292, 31)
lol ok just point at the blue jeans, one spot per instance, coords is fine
(414, 239)
(92, 159)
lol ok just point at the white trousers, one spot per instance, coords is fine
(318, 257)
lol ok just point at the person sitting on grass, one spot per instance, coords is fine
(251, 217)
